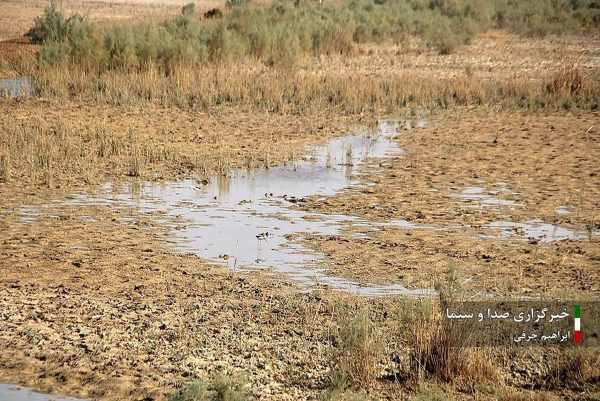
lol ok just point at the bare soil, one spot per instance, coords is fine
(546, 160)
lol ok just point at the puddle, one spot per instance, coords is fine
(16, 87)
(538, 230)
(246, 220)
(484, 197)
(562, 210)
(10, 392)
(529, 230)
(28, 214)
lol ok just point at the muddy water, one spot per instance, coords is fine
(245, 220)
(539, 231)
(482, 197)
(16, 87)
(9, 392)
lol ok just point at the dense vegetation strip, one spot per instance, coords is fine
(283, 32)
(263, 56)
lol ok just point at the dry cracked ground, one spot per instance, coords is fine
(459, 178)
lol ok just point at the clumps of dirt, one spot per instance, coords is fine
(545, 160)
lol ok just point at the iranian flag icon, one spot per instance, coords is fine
(578, 334)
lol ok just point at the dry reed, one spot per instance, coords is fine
(251, 84)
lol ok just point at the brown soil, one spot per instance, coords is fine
(103, 309)
(13, 51)
(546, 160)
(95, 304)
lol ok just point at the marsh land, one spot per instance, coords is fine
(271, 200)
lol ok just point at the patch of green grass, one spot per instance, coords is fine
(219, 388)
(338, 394)
(431, 393)
(513, 395)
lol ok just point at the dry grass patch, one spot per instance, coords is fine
(575, 368)
(77, 144)
(439, 350)
(40, 152)
(4, 167)
(358, 351)
(249, 83)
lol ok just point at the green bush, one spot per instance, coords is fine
(188, 10)
(220, 388)
(52, 26)
(441, 36)
(282, 33)
(235, 3)
(119, 45)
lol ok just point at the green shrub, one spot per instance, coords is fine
(53, 53)
(188, 10)
(225, 44)
(284, 49)
(440, 36)
(220, 388)
(229, 388)
(235, 3)
(194, 391)
(119, 45)
(282, 33)
(52, 26)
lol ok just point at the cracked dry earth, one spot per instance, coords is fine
(95, 305)
(535, 165)
(99, 308)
